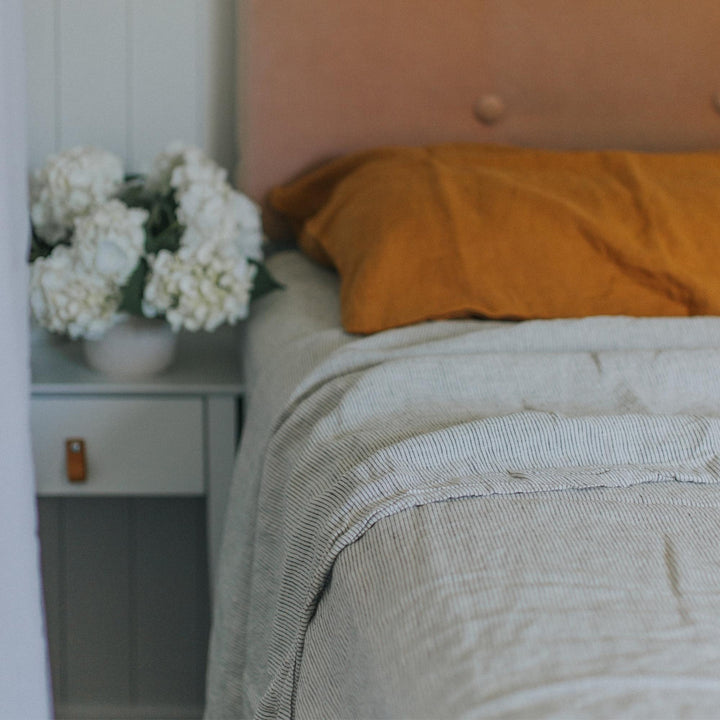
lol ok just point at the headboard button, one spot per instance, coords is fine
(489, 109)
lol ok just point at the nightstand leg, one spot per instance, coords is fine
(221, 413)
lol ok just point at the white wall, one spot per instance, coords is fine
(24, 690)
(131, 76)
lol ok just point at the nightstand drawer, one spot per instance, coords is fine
(133, 446)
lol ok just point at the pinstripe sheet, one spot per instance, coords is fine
(527, 440)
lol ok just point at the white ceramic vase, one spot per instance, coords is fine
(134, 348)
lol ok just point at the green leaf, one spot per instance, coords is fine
(166, 239)
(162, 230)
(38, 248)
(264, 282)
(132, 292)
(134, 196)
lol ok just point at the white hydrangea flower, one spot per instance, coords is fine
(201, 205)
(179, 165)
(199, 287)
(196, 168)
(192, 238)
(69, 185)
(245, 224)
(110, 240)
(218, 210)
(207, 204)
(158, 179)
(65, 298)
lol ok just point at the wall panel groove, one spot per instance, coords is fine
(130, 73)
(133, 592)
(56, 77)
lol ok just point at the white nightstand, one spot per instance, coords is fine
(174, 434)
(117, 563)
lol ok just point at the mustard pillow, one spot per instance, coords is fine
(472, 230)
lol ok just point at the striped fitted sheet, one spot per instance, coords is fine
(470, 519)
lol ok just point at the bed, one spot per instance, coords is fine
(443, 508)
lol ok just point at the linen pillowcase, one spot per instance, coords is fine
(467, 230)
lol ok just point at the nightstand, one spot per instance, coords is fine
(158, 457)
(174, 434)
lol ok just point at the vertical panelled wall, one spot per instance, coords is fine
(131, 76)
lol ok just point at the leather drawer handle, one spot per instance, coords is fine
(75, 460)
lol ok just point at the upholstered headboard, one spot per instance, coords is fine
(318, 78)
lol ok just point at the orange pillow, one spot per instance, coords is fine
(473, 230)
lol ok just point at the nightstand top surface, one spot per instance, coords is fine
(206, 363)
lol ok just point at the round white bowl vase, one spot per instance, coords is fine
(134, 348)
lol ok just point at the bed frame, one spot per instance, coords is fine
(318, 78)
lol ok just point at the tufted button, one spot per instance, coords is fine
(716, 102)
(489, 109)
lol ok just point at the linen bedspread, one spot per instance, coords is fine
(473, 519)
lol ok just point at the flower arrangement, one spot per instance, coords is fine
(178, 243)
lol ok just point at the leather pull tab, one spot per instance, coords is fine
(75, 460)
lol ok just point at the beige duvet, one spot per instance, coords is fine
(468, 519)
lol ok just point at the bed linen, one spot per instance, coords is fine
(470, 518)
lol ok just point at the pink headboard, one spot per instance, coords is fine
(319, 78)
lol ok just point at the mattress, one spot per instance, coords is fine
(470, 518)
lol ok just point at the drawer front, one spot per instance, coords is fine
(133, 446)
